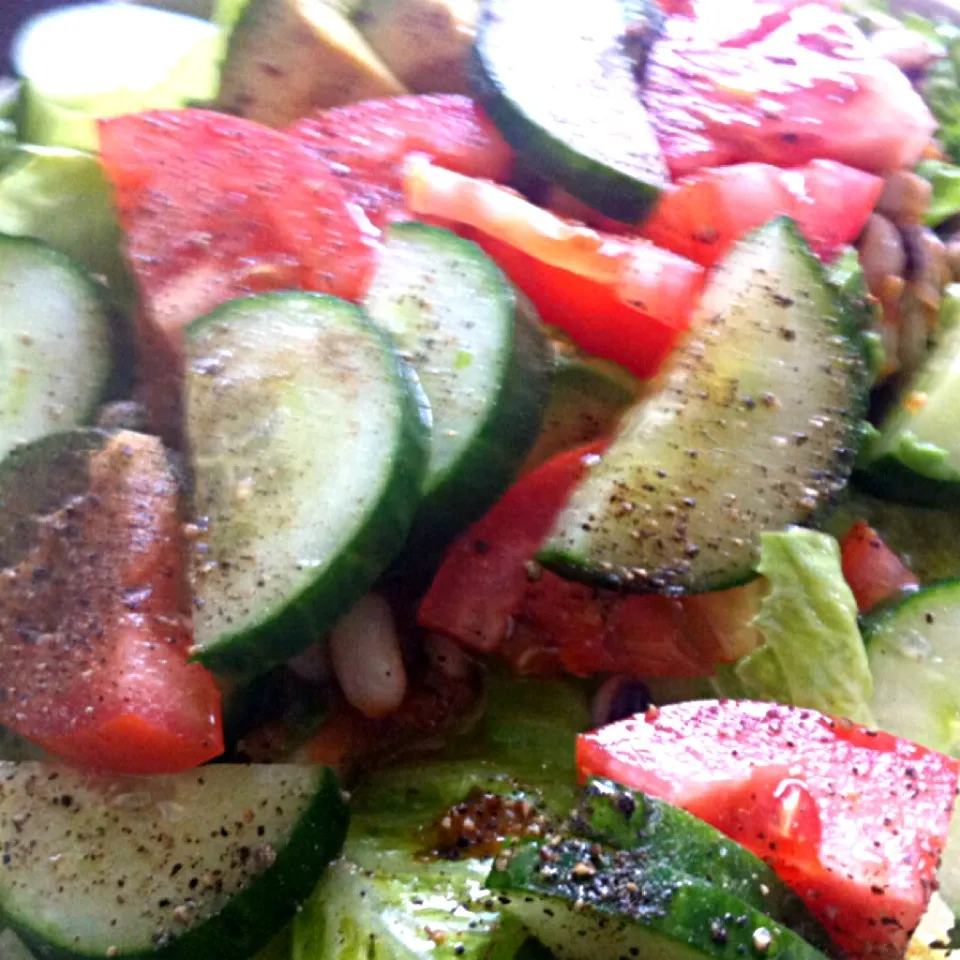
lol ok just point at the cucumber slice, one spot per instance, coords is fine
(753, 427)
(916, 457)
(587, 398)
(287, 58)
(91, 60)
(656, 830)
(483, 366)
(915, 660)
(584, 902)
(63, 197)
(308, 448)
(12, 947)
(207, 864)
(55, 342)
(570, 103)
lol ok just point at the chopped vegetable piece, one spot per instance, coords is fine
(618, 297)
(807, 87)
(366, 145)
(853, 819)
(93, 640)
(873, 571)
(704, 214)
(215, 207)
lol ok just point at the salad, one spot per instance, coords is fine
(480, 478)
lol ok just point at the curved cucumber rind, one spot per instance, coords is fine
(483, 366)
(629, 820)
(914, 659)
(211, 863)
(308, 445)
(570, 103)
(55, 342)
(916, 456)
(583, 904)
(753, 426)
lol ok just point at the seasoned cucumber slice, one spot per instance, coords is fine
(628, 820)
(585, 902)
(55, 347)
(915, 659)
(12, 948)
(916, 457)
(205, 864)
(570, 103)
(484, 367)
(308, 446)
(753, 427)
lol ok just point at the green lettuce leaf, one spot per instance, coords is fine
(944, 178)
(813, 655)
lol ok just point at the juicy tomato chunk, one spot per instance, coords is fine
(795, 89)
(106, 683)
(703, 215)
(484, 576)
(367, 143)
(618, 297)
(216, 207)
(489, 596)
(853, 819)
(873, 571)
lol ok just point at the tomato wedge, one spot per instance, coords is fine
(873, 571)
(216, 207)
(854, 820)
(791, 89)
(93, 643)
(367, 143)
(703, 215)
(489, 596)
(618, 297)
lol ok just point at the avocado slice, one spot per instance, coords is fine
(584, 901)
(389, 898)
(286, 58)
(426, 43)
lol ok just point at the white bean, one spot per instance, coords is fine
(367, 660)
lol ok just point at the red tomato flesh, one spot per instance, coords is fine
(703, 215)
(795, 89)
(873, 571)
(489, 596)
(105, 682)
(854, 820)
(366, 144)
(216, 207)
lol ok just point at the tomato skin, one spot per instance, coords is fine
(595, 315)
(872, 570)
(216, 207)
(110, 687)
(703, 215)
(367, 143)
(483, 579)
(854, 820)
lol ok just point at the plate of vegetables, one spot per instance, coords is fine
(480, 478)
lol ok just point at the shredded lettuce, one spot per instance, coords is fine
(813, 655)
(944, 178)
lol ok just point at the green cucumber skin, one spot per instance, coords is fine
(254, 916)
(313, 612)
(488, 468)
(686, 577)
(674, 911)
(890, 479)
(629, 820)
(511, 423)
(606, 189)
